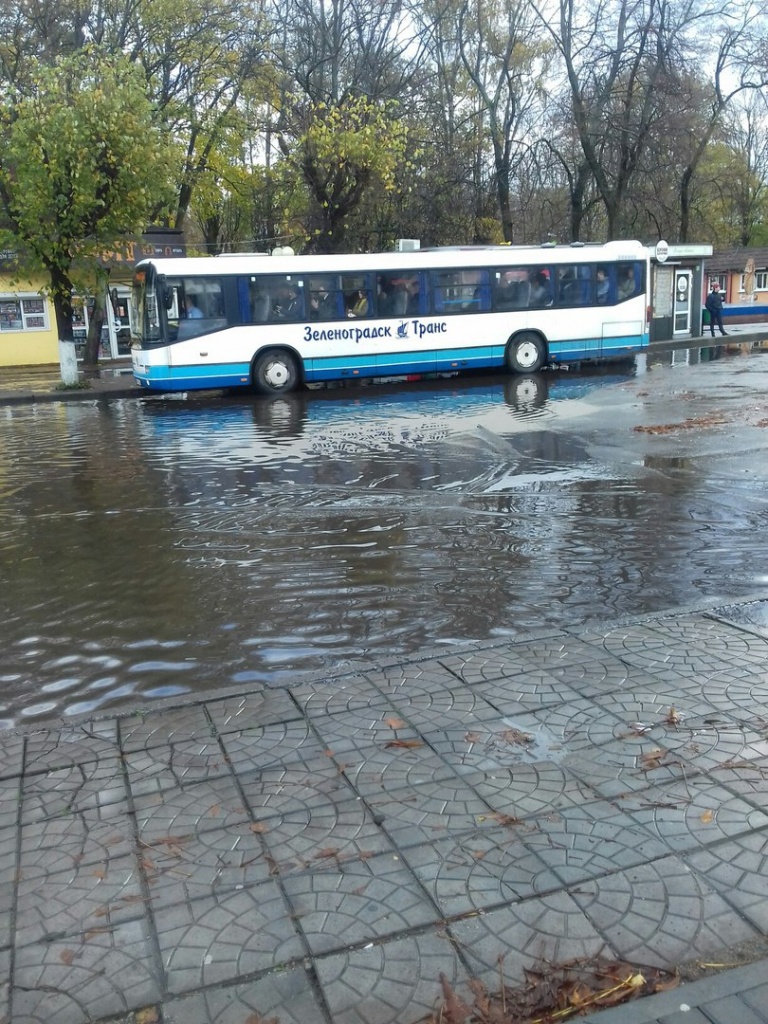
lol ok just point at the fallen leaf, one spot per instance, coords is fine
(516, 736)
(707, 817)
(214, 811)
(327, 852)
(258, 827)
(256, 1018)
(652, 759)
(473, 737)
(148, 1015)
(67, 956)
(408, 744)
(673, 718)
(394, 723)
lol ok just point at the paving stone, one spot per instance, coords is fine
(94, 836)
(658, 713)
(369, 727)
(544, 654)
(526, 692)
(86, 977)
(73, 901)
(704, 747)
(294, 788)
(478, 869)
(385, 770)
(738, 870)
(730, 1010)
(10, 801)
(8, 877)
(11, 755)
(428, 676)
(695, 629)
(645, 648)
(196, 808)
(288, 997)
(438, 709)
(692, 813)
(253, 710)
(318, 837)
(482, 666)
(571, 726)
(604, 674)
(63, 748)
(396, 982)
(732, 687)
(661, 914)
(757, 999)
(687, 1017)
(429, 811)
(550, 928)
(161, 727)
(631, 764)
(5, 986)
(360, 901)
(175, 764)
(181, 868)
(618, 641)
(489, 746)
(223, 938)
(337, 696)
(99, 785)
(263, 747)
(589, 841)
(529, 789)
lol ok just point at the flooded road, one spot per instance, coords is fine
(157, 547)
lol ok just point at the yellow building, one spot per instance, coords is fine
(28, 335)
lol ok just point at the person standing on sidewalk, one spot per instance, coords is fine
(714, 306)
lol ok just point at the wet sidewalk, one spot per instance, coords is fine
(320, 853)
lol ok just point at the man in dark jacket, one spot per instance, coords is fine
(714, 306)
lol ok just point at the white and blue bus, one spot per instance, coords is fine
(274, 323)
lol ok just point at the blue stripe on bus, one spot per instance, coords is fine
(225, 375)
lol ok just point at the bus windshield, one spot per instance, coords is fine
(146, 327)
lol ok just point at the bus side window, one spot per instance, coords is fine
(326, 299)
(574, 285)
(628, 274)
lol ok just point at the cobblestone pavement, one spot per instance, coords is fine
(322, 852)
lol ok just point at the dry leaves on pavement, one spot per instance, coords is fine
(552, 993)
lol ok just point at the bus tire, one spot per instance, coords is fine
(526, 353)
(274, 372)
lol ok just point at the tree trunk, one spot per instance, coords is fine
(95, 324)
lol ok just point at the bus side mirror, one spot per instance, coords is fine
(166, 296)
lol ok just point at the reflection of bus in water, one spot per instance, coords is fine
(424, 411)
(275, 323)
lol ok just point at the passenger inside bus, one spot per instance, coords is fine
(541, 290)
(286, 306)
(358, 304)
(626, 284)
(191, 308)
(603, 286)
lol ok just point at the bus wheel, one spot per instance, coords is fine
(526, 353)
(274, 372)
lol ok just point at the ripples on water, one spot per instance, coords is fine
(153, 548)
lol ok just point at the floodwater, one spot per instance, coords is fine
(163, 546)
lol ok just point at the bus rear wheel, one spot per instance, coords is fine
(526, 353)
(274, 372)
